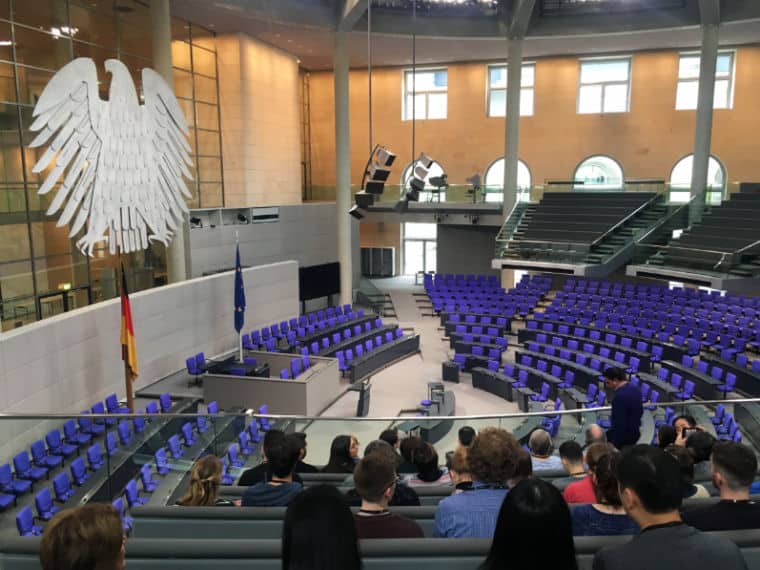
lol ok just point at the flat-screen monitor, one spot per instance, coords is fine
(318, 281)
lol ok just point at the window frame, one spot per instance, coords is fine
(618, 58)
(731, 78)
(490, 89)
(406, 114)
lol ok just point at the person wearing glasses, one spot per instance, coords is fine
(375, 480)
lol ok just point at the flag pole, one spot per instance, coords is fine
(127, 372)
(240, 335)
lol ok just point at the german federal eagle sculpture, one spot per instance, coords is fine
(121, 163)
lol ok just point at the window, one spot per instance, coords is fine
(494, 182)
(497, 90)
(420, 247)
(680, 180)
(425, 94)
(604, 86)
(599, 173)
(434, 170)
(688, 81)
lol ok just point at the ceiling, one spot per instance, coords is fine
(306, 29)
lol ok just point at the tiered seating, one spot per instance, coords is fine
(723, 231)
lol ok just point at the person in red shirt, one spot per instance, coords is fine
(583, 491)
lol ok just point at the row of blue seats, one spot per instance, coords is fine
(291, 333)
(346, 357)
(338, 337)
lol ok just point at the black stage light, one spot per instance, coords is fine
(378, 173)
(356, 212)
(384, 157)
(364, 200)
(412, 195)
(374, 187)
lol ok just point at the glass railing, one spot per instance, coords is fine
(107, 452)
(452, 194)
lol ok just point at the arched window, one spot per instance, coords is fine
(494, 181)
(434, 170)
(599, 174)
(680, 180)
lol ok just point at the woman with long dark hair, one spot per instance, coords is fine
(341, 457)
(319, 532)
(205, 479)
(534, 520)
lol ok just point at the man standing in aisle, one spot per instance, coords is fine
(627, 409)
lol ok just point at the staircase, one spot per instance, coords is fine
(520, 216)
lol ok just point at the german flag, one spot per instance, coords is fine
(128, 349)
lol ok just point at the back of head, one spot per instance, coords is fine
(383, 448)
(701, 445)
(606, 479)
(736, 464)
(85, 538)
(205, 478)
(571, 452)
(390, 436)
(534, 524)
(373, 475)
(300, 438)
(595, 452)
(466, 435)
(407, 447)
(270, 438)
(458, 462)
(319, 532)
(425, 459)
(493, 456)
(540, 442)
(595, 434)
(666, 435)
(523, 468)
(654, 476)
(283, 455)
(685, 460)
(340, 455)
(614, 374)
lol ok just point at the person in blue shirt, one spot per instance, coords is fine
(627, 409)
(472, 513)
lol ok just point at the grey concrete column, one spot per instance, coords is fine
(343, 166)
(177, 254)
(703, 129)
(512, 130)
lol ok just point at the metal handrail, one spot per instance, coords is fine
(686, 248)
(667, 218)
(17, 416)
(746, 247)
(628, 217)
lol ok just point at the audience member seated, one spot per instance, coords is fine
(84, 538)
(343, 451)
(375, 478)
(428, 471)
(407, 448)
(533, 530)
(734, 467)
(571, 455)
(459, 470)
(681, 423)
(302, 467)
(686, 464)
(650, 488)
(205, 479)
(472, 514)
(666, 435)
(524, 469)
(282, 456)
(701, 443)
(390, 436)
(263, 471)
(403, 494)
(583, 491)
(319, 532)
(605, 516)
(594, 434)
(541, 447)
(465, 436)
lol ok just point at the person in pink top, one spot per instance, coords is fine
(582, 491)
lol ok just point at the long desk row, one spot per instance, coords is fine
(387, 353)
(353, 341)
(378, 554)
(705, 386)
(746, 380)
(526, 335)
(481, 319)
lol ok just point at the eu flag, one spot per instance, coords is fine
(239, 294)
